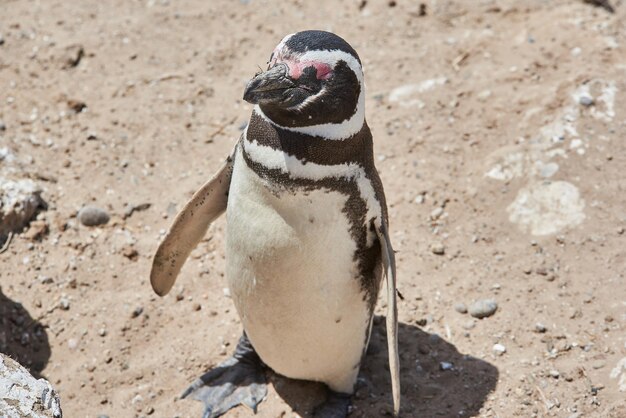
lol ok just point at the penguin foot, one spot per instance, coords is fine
(240, 380)
(337, 405)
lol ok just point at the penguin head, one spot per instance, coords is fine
(313, 78)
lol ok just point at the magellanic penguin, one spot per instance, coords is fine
(307, 241)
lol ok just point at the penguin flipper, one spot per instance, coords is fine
(389, 264)
(189, 226)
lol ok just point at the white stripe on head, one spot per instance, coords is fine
(331, 131)
(279, 160)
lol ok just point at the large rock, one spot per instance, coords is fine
(19, 202)
(23, 396)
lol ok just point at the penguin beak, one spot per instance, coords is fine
(269, 86)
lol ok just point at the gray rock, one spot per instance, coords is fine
(586, 100)
(438, 248)
(499, 349)
(19, 202)
(540, 328)
(460, 308)
(3, 126)
(23, 396)
(483, 308)
(93, 216)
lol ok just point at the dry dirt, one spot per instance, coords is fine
(506, 151)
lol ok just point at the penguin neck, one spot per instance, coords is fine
(306, 148)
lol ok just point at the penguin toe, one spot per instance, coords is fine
(238, 381)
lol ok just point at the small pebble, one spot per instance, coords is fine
(469, 325)
(197, 306)
(436, 213)
(445, 366)
(555, 373)
(438, 248)
(598, 364)
(3, 127)
(136, 312)
(72, 343)
(226, 292)
(499, 349)
(586, 100)
(1, 39)
(64, 303)
(93, 216)
(483, 308)
(460, 308)
(540, 328)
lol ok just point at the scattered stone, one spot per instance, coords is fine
(76, 106)
(469, 325)
(226, 292)
(460, 308)
(586, 100)
(422, 322)
(540, 328)
(554, 373)
(437, 248)
(93, 216)
(102, 332)
(436, 213)
(499, 349)
(64, 303)
(72, 343)
(21, 395)
(19, 203)
(136, 312)
(483, 308)
(1, 39)
(45, 279)
(484, 95)
(71, 56)
(445, 366)
(598, 364)
(130, 252)
(130, 209)
(3, 127)
(36, 230)
(197, 306)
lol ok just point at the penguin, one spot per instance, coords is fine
(307, 236)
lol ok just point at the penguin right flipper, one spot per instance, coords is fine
(389, 264)
(189, 226)
(240, 380)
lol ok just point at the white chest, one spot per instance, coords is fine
(294, 280)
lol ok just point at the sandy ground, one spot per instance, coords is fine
(499, 130)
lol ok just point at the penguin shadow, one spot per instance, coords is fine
(22, 338)
(436, 380)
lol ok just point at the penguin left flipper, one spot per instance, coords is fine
(389, 264)
(189, 226)
(240, 380)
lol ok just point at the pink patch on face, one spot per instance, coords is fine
(323, 70)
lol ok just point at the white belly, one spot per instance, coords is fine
(294, 281)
